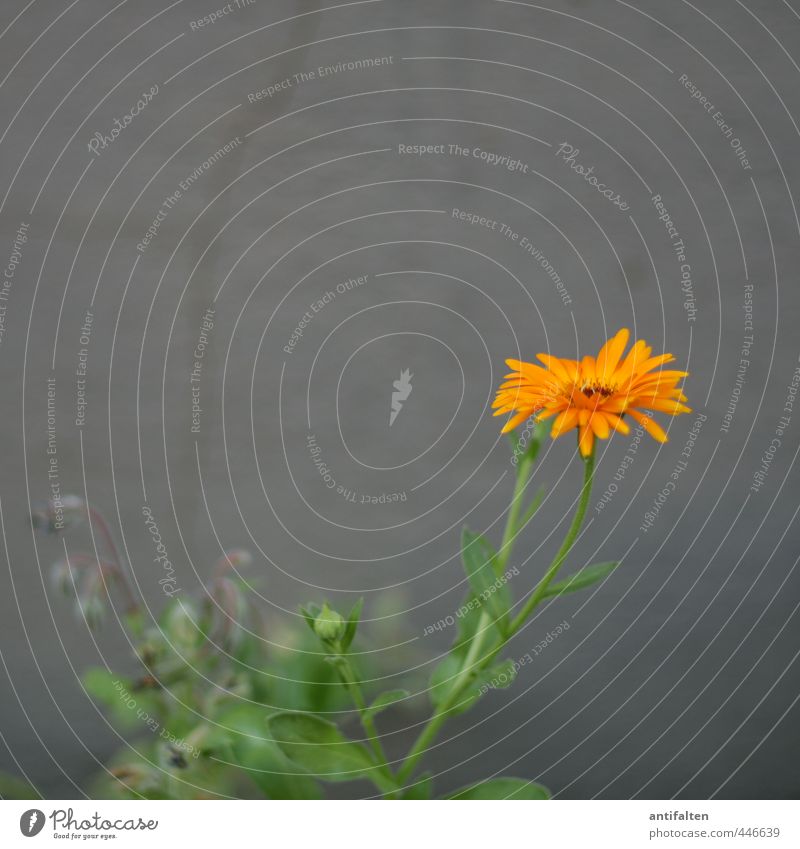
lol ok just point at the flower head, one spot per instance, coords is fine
(594, 394)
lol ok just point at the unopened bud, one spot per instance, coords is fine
(236, 558)
(57, 515)
(92, 609)
(229, 610)
(329, 625)
(62, 577)
(180, 623)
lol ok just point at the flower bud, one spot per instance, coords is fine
(91, 608)
(230, 611)
(181, 623)
(58, 515)
(329, 625)
(236, 559)
(63, 577)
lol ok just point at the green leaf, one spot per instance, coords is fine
(16, 788)
(503, 788)
(481, 559)
(317, 746)
(467, 618)
(245, 742)
(442, 677)
(421, 789)
(299, 678)
(581, 579)
(477, 547)
(352, 624)
(445, 673)
(135, 620)
(498, 677)
(103, 686)
(129, 705)
(480, 564)
(116, 694)
(385, 700)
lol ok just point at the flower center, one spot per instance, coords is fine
(591, 389)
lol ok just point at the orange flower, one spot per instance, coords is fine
(594, 395)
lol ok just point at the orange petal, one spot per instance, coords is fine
(585, 441)
(556, 366)
(589, 369)
(515, 420)
(529, 370)
(673, 408)
(599, 425)
(549, 410)
(617, 403)
(657, 382)
(616, 422)
(565, 421)
(610, 353)
(653, 428)
(636, 356)
(654, 362)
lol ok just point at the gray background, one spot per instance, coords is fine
(678, 677)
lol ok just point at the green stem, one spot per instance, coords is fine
(439, 716)
(354, 688)
(511, 529)
(472, 662)
(535, 504)
(569, 540)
